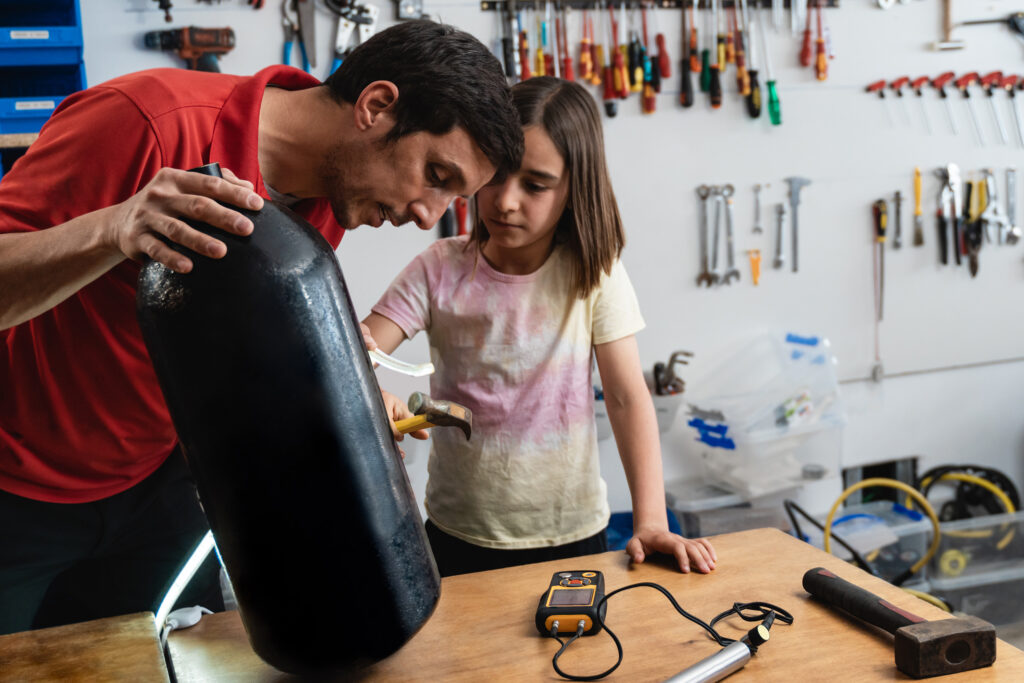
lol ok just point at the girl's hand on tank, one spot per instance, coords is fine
(368, 339)
(689, 553)
(140, 225)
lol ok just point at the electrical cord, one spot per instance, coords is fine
(910, 491)
(930, 599)
(858, 559)
(765, 612)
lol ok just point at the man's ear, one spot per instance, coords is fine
(375, 102)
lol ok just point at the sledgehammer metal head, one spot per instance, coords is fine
(923, 648)
(434, 413)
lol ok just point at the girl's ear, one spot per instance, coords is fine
(375, 104)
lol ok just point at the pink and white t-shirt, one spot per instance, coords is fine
(516, 350)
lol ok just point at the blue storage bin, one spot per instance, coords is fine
(40, 32)
(29, 94)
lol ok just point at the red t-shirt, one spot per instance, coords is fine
(81, 414)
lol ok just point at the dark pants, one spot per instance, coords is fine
(455, 556)
(64, 563)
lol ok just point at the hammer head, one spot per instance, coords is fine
(442, 413)
(946, 646)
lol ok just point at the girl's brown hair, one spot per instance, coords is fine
(590, 226)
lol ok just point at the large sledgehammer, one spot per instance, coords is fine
(923, 648)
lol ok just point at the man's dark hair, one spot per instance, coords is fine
(446, 78)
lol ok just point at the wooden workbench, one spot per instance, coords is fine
(483, 627)
(122, 648)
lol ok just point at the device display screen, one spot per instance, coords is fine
(571, 597)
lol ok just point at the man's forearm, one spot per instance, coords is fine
(39, 270)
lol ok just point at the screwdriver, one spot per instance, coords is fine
(705, 55)
(897, 87)
(805, 50)
(939, 83)
(567, 71)
(880, 211)
(1009, 85)
(686, 63)
(693, 51)
(990, 82)
(730, 37)
(586, 63)
(610, 93)
(715, 85)
(918, 85)
(742, 75)
(524, 49)
(821, 60)
(508, 35)
(754, 96)
(774, 105)
(918, 217)
(962, 84)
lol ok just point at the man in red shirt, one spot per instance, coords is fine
(93, 492)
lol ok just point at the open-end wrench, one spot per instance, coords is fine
(993, 218)
(716, 196)
(731, 272)
(1013, 234)
(706, 277)
(757, 210)
(795, 184)
(780, 233)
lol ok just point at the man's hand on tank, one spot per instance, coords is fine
(141, 224)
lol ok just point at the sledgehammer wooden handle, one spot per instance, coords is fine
(865, 605)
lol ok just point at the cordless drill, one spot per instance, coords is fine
(200, 47)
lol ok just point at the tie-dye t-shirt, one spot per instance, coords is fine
(516, 350)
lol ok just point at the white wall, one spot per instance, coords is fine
(940, 326)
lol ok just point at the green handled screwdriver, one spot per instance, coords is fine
(774, 106)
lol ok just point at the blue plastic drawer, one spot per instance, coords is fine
(29, 94)
(40, 32)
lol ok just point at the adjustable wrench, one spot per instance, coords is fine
(705, 277)
(780, 234)
(795, 184)
(731, 271)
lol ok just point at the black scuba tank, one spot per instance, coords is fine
(262, 364)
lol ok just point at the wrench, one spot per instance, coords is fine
(716, 192)
(897, 209)
(992, 217)
(731, 271)
(757, 209)
(780, 233)
(1013, 234)
(795, 184)
(706, 277)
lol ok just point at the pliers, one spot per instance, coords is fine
(290, 22)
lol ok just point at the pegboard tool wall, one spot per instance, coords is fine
(833, 133)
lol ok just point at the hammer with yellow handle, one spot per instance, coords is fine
(429, 412)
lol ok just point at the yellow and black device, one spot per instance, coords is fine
(572, 597)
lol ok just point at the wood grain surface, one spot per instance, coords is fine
(483, 627)
(124, 648)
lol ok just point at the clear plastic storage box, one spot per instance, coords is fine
(765, 412)
(979, 567)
